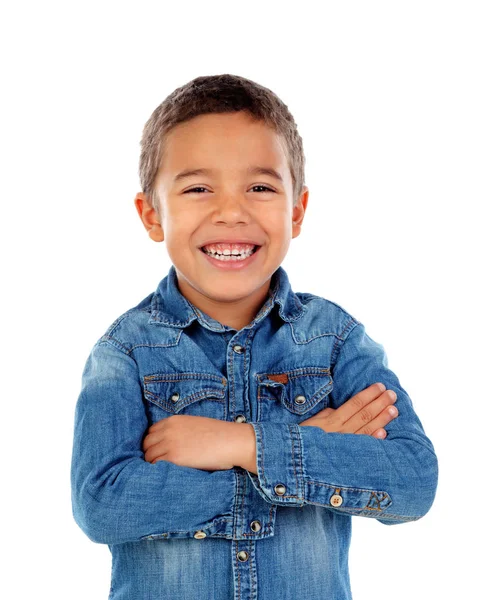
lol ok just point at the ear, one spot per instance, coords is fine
(149, 217)
(298, 212)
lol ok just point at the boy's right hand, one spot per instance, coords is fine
(367, 412)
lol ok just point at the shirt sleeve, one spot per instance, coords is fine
(393, 480)
(117, 496)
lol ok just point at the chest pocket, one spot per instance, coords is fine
(198, 394)
(293, 396)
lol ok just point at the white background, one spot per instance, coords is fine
(387, 100)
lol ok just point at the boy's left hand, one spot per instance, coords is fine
(197, 442)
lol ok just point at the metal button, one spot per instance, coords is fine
(299, 399)
(256, 526)
(175, 396)
(336, 500)
(242, 555)
(240, 419)
(200, 535)
(280, 489)
(239, 349)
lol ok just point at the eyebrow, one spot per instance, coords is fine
(250, 171)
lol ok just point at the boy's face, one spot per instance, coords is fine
(224, 205)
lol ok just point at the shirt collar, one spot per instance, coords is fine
(169, 307)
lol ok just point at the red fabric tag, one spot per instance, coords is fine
(280, 377)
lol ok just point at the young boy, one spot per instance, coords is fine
(227, 427)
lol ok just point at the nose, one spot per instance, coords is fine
(231, 208)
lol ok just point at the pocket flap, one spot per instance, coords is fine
(299, 390)
(174, 391)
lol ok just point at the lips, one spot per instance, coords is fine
(232, 242)
(234, 262)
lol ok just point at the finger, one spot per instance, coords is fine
(150, 439)
(365, 417)
(380, 434)
(359, 401)
(314, 420)
(383, 418)
(157, 425)
(154, 452)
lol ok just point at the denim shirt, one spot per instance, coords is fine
(177, 532)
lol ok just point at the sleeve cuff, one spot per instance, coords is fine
(280, 478)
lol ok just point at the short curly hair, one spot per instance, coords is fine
(217, 94)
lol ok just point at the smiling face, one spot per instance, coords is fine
(229, 201)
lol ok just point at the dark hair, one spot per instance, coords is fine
(217, 94)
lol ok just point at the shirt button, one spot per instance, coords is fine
(200, 535)
(240, 419)
(175, 396)
(280, 489)
(238, 349)
(336, 500)
(242, 555)
(299, 399)
(256, 526)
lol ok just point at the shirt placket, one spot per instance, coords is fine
(253, 517)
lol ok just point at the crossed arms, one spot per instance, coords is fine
(123, 471)
(211, 444)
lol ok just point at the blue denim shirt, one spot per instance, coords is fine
(179, 532)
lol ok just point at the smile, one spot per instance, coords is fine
(227, 256)
(231, 261)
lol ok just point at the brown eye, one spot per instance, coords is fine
(192, 189)
(262, 186)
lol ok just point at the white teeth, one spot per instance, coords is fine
(226, 255)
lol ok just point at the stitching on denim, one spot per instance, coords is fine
(262, 473)
(297, 430)
(272, 511)
(238, 569)
(243, 495)
(201, 318)
(186, 375)
(392, 517)
(246, 367)
(374, 497)
(375, 515)
(338, 487)
(300, 308)
(298, 372)
(162, 321)
(158, 345)
(237, 475)
(260, 435)
(293, 455)
(251, 566)
(157, 316)
(314, 337)
(204, 394)
(251, 535)
(292, 432)
(306, 374)
(259, 403)
(314, 400)
(268, 525)
(335, 347)
(106, 339)
(152, 535)
(219, 394)
(230, 372)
